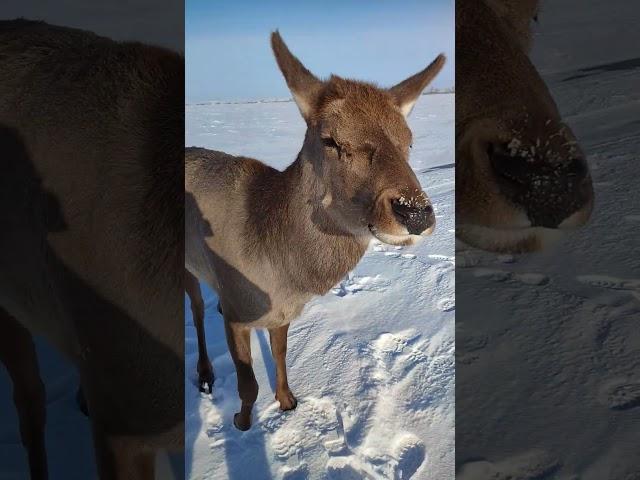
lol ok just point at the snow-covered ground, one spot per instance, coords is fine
(372, 363)
(548, 345)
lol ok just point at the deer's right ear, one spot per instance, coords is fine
(304, 86)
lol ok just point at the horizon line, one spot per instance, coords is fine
(434, 91)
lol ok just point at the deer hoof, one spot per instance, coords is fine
(205, 377)
(242, 422)
(287, 400)
(205, 385)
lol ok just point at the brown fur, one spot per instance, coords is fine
(91, 220)
(501, 98)
(267, 241)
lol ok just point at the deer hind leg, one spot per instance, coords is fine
(278, 339)
(239, 340)
(18, 354)
(205, 369)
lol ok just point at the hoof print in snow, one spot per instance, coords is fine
(612, 283)
(299, 472)
(492, 274)
(534, 464)
(621, 395)
(345, 468)
(286, 444)
(353, 285)
(411, 454)
(213, 430)
(214, 423)
(446, 304)
(497, 275)
(474, 342)
(336, 447)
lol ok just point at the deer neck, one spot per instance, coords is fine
(295, 233)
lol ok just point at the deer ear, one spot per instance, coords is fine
(406, 93)
(304, 86)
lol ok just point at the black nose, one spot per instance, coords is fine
(417, 218)
(548, 189)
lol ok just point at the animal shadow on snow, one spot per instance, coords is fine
(129, 403)
(245, 452)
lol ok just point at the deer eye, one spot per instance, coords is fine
(370, 151)
(330, 143)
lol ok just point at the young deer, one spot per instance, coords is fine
(521, 178)
(268, 241)
(91, 235)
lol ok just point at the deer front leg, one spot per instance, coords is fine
(205, 369)
(18, 354)
(278, 339)
(239, 340)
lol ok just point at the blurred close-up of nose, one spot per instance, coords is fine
(549, 190)
(521, 168)
(416, 218)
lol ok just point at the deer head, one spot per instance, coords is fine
(521, 178)
(357, 149)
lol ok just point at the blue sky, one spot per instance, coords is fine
(228, 56)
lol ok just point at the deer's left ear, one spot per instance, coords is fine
(406, 93)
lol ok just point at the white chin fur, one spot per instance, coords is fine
(403, 240)
(505, 239)
(572, 222)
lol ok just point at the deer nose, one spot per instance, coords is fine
(549, 191)
(521, 168)
(417, 218)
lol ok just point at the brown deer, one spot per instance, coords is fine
(521, 178)
(91, 235)
(267, 241)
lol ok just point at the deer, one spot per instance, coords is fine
(268, 241)
(91, 236)
(522, 181)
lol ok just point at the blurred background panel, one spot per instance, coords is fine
(69, 441)
(547, 343)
